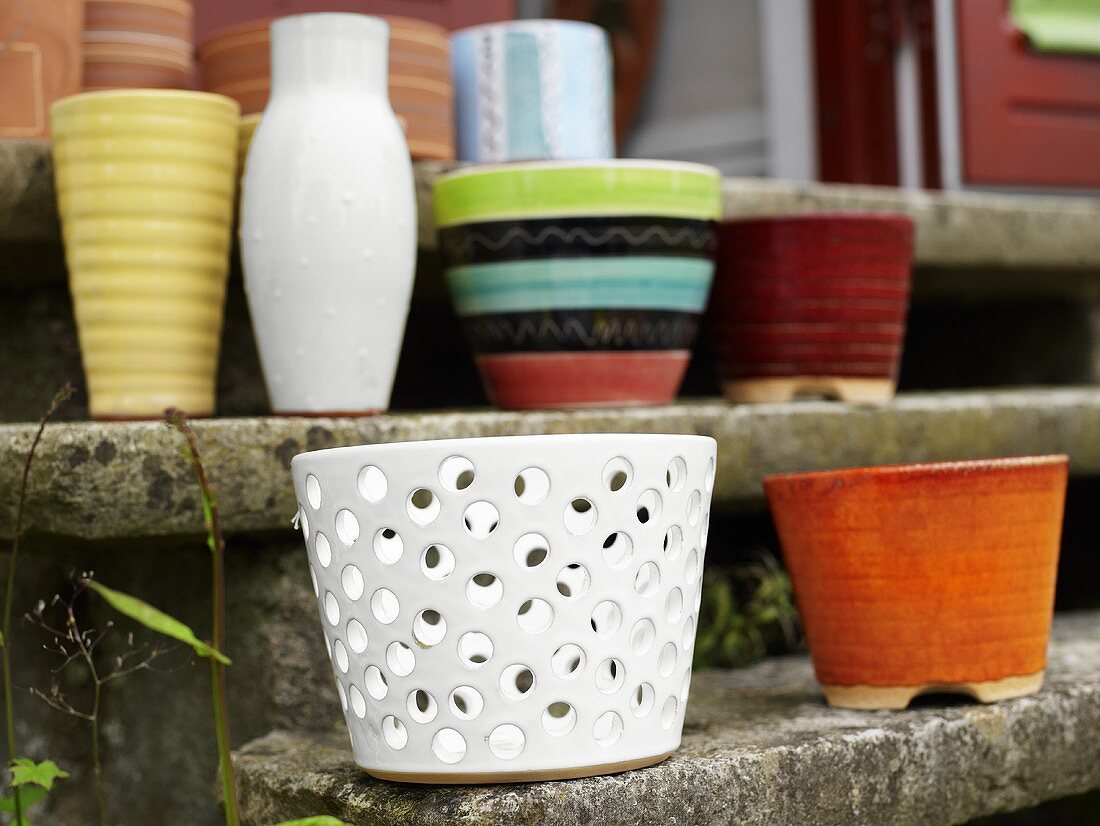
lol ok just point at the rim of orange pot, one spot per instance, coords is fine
(916, 470)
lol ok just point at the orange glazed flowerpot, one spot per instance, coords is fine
(913, 579)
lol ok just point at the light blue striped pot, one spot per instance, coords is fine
(533, 90)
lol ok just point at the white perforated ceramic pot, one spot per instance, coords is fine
(516, 608)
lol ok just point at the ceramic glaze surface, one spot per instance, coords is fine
(811, 304)
(39, 62)
(236, 61)
(328, 219)
(938, 576)
(138, 44)
(579, 283)
(509, 608)
(147, 264)
(533, 89)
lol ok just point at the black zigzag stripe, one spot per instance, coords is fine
(571, 330)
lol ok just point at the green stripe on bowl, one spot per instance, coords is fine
(542, 189)
(640, 283)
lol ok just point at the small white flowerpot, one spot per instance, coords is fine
(509, 609)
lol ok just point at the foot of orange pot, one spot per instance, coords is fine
(899, 697)
(785, 389)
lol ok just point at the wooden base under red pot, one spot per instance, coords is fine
(811, 305)
(913, 579)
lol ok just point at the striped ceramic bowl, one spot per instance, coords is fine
(580, 283)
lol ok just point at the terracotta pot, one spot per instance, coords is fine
(39, 62)
(236, 61)
(924, 578)
(147, 264)
(811, 305)
(579, 284)
(138, 44)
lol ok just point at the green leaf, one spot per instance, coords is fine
(156, 620)
(317, 820)
(29, 796)
(24, 771)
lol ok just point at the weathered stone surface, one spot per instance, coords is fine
(953, 228)
(760, 747)
(100, 480)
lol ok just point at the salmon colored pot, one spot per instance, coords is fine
(924, 578)
(39, 62)
(236, 61)
(135, 44)
(811, 305)
(145, 183)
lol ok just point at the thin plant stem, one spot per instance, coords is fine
(97, 764)
(9, 591)
(216, 543)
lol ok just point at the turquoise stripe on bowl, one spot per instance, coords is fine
(642, 283)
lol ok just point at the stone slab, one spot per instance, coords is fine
(954, 229)
(103, 480)
(759, 747)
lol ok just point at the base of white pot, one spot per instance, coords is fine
(328, 414)
(538, 775)
(841, 388)
(899, 697)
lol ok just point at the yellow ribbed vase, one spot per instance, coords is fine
(146, 182)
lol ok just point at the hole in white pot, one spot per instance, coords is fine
(532, 485)
(608, 728)
(484, 590)
(610, 676)
(340, 656)
(694, 508)
(674, 542)
(422, 506)
(691, 568)
(323, 550)
(437, 562)
(573, 581)
(648, 580)
(649, 507)
(531, 550)
(516, 681)
(674, 605)
(394, 733)
(448, 745)
(421, 705)
(617, 474)
(372, 484)
(568, 661)
(668, 712)
(466, 702)
(642, 636)
(429, 628)
(667, 660)
(481, 519)
(558, 719)
(358, 702)
(708, 480)
(475, 649)
(535, 616)
(384, 605)
(607, 616)
(347, 527)
(685, 686)
(689, 634)
(580, 516)
(357, 636)
(351, 580)
(641, 700)
(676, 475)
(388, 546)
(332, 608)
(506, 741)
(375, 681)
(618, 549)
(313, 491)
(456, 473)
(400, 659)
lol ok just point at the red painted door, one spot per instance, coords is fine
(454, 14)
(1028, 118)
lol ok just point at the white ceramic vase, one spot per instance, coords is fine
(328, 219)
(513, 608)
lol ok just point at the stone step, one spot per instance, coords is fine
(759, 747)
(976, 231)
(109, 480)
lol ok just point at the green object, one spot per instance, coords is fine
(1071, 26)
(319, 820)
(24, 771)
(640, 282)
(587, 188)
(156, 620)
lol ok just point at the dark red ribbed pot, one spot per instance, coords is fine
(811, 305)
